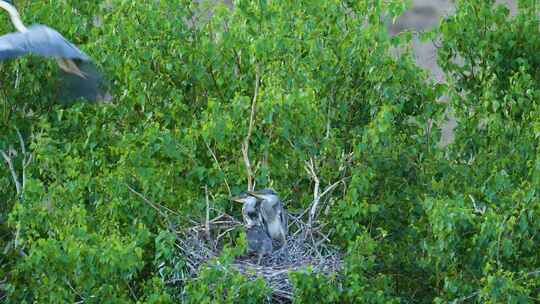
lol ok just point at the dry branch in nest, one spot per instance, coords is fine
(306, 246)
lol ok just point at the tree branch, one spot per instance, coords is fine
(155, 206)
(8, 157)
(27, 158)
(14, 176)
(310, 169)
(245, 145)
(219, 166)
(207, 220)
(317, 195)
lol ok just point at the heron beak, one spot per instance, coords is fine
(237, 199)
(256, 194)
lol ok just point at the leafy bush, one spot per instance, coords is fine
(219, 283)
(418, 224)
(484, 209)
(354, 284)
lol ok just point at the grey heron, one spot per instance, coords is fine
(258, 240)
(47, 42)
(250, 211)
(273, 214)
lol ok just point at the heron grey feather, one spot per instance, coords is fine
(250, 211)
(39, 40)
(92, 87)
(258, 240)
(273, 214)
(44, 41)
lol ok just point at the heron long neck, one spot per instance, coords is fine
(269, 210)
(14, 15)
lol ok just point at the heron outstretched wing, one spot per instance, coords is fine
(88, 82)
(39, 40)
(83, 80)
(93, 86)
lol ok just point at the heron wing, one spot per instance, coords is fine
(264, 224)
(44, 41)
(40, 40)
(94, 87)
(284, 217)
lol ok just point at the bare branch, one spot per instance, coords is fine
(21, 141)
(461, 300)
(310, 169)
(207, 221)
(245, 145)
(14, 176)
(155, 206)
(27, 158)
(219, 166)
(9, 156)
(332, 186)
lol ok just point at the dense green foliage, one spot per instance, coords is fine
(484, 211)
(417, 223)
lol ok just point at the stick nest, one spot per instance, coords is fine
(306, 247)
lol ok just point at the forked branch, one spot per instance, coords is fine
(8, 159)
(10, 155)
(310, 169)
(317, 195)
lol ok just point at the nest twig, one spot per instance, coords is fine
(308, 246)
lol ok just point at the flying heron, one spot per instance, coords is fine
(272, 213)
(81, 77)
(258, 240)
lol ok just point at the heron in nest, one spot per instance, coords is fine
(80, 75)
(273, 214)
(258, 240)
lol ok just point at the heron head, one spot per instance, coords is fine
(268, 195)
(249, 210)
(244, 198)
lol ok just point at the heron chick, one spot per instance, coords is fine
(273, 214)
(258, 240)
(250, 209)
